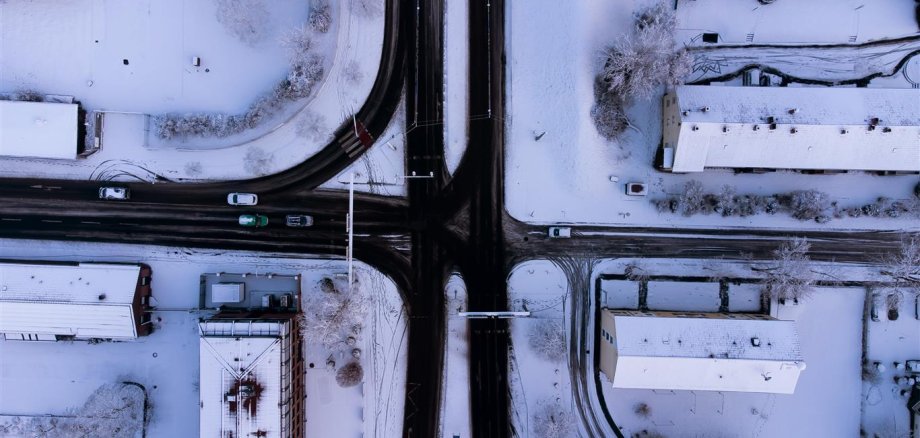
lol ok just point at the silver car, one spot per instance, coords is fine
(242, 199)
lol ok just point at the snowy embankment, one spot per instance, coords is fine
(560, 170)
(351, 48)
(166, 362)
(455, 400)
(456, 81)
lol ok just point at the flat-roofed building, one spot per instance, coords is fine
(798, 128)
(41, 130)
(699, 351)
(251, 376)
(49, 301)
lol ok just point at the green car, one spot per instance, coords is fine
(253, 220)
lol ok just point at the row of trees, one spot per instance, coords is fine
(115, 410)
(800, 204)
(334, 318)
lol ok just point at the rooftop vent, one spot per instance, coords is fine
(695, 128)
(704, 109)
(755, 341)
(756, 127)
(793, 110)
(725, 129)
(793, 130)
(844, 131)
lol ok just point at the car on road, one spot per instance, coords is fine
(298, 220)
(560, 232)
(242, 199)
(253, 220)
(119, 193)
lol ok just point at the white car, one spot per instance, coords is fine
(560, 232)
(242, 199)
(119, 193)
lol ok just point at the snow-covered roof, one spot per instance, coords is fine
(242, 378)
(812, 128)
(695, 351)
(38, 129)
(86, 300)
(705, 337)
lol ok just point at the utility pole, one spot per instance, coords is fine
(350, 227)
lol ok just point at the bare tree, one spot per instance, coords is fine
(552, 421)
(332, 316)
(635, 66)
(311, 126)
(809, 204)
(115, 410)
(547, 339)
(349, 375)
(247, 20)
(320, 16)
(903, 265)
(691, 198)
(790, 276)
(367, 8)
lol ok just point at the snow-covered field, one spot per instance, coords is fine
(583, 176)
(456, 82)
(160, 78)
(455, 407)
(539, 378)
(38, 378)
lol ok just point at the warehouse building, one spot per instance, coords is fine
(82, 301)
(797, 128)
(251, 376)
(699, 351)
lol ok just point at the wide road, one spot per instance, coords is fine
(444, 224)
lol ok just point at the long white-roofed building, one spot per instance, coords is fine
(52, 301)
(699, 351)
(251, 376)
(797, 128)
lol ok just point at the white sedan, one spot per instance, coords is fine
(242, 199)
(119, 193)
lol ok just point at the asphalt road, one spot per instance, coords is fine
(444, 224)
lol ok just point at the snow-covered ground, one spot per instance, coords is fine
(40, 378)
(831, 398)
(884, 406)
(381, 169)
(583, 176)
(539, 378)
(160, 78)
(826, 400)
(456, 81)
(455, 405)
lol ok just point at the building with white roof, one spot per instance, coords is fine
(799, 128)
(40, 129)
(699, 351)
(50, 301)
(251, 381)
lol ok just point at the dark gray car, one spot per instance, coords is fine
(298, 220)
